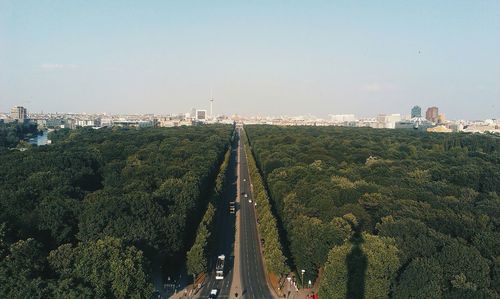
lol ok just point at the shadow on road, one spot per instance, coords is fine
(357, 264)
(222, 239)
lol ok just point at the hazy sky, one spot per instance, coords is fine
(260, 57)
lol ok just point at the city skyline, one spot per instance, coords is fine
(409, 114)
(259, 58)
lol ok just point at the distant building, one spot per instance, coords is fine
(174, 121)
(416, 111)
(340, 118)
(456, 127)
(405, 117)
(439, 129)
(106, 122)
(134, 123)
(19, 113)
(388, 121)
(432, 114)
(441, 118)
(416, 124)
(483, 127)
(201, 115)
(85, 123)
(49, 123)
(69, 123)
(365, 122)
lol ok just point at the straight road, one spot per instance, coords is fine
(253, 279)
(225, 230)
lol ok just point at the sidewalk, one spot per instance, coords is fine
(291, 292)
(185, 293)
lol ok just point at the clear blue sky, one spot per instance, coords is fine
(260, 57)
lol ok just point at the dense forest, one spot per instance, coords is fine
(87, 216)
(12, 133)
(386, 213)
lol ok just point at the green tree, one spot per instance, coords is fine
(196, 262)
(21, 269)
(59, 217)
(363, 267)
(422, 278)
(463, 266)
(413, 238)
(110, 267)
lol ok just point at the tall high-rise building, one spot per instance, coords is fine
(416, 111)
(19, 113)
(432, 114)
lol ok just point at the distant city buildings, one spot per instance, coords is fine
(340, 118)
(433, 122)
(388, 121)
(432, 114)
(416, 123)
(489, 125)
(86, 123)
(19, 113)
(416, 111)
(440, 129)
(136, 123)
(44, 123)
(201, 115)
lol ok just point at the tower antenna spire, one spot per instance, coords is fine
(211, 104)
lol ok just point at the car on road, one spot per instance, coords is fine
(213, 293)
(246, 195)
(244, 180)
(249, 200)
(219, 267)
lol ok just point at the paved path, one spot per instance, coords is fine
(253, 277)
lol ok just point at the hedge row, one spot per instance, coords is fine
(274, 258)
(197, 256)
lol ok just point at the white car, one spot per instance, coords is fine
(244, 180)
(250, 201)
(213, 293)
(246, 195)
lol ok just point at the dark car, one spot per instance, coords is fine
(156, 295)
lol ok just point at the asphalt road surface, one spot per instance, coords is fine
(253, 278)
(225, 230)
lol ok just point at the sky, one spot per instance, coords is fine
(258, 57)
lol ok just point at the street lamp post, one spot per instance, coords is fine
(302, 280)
